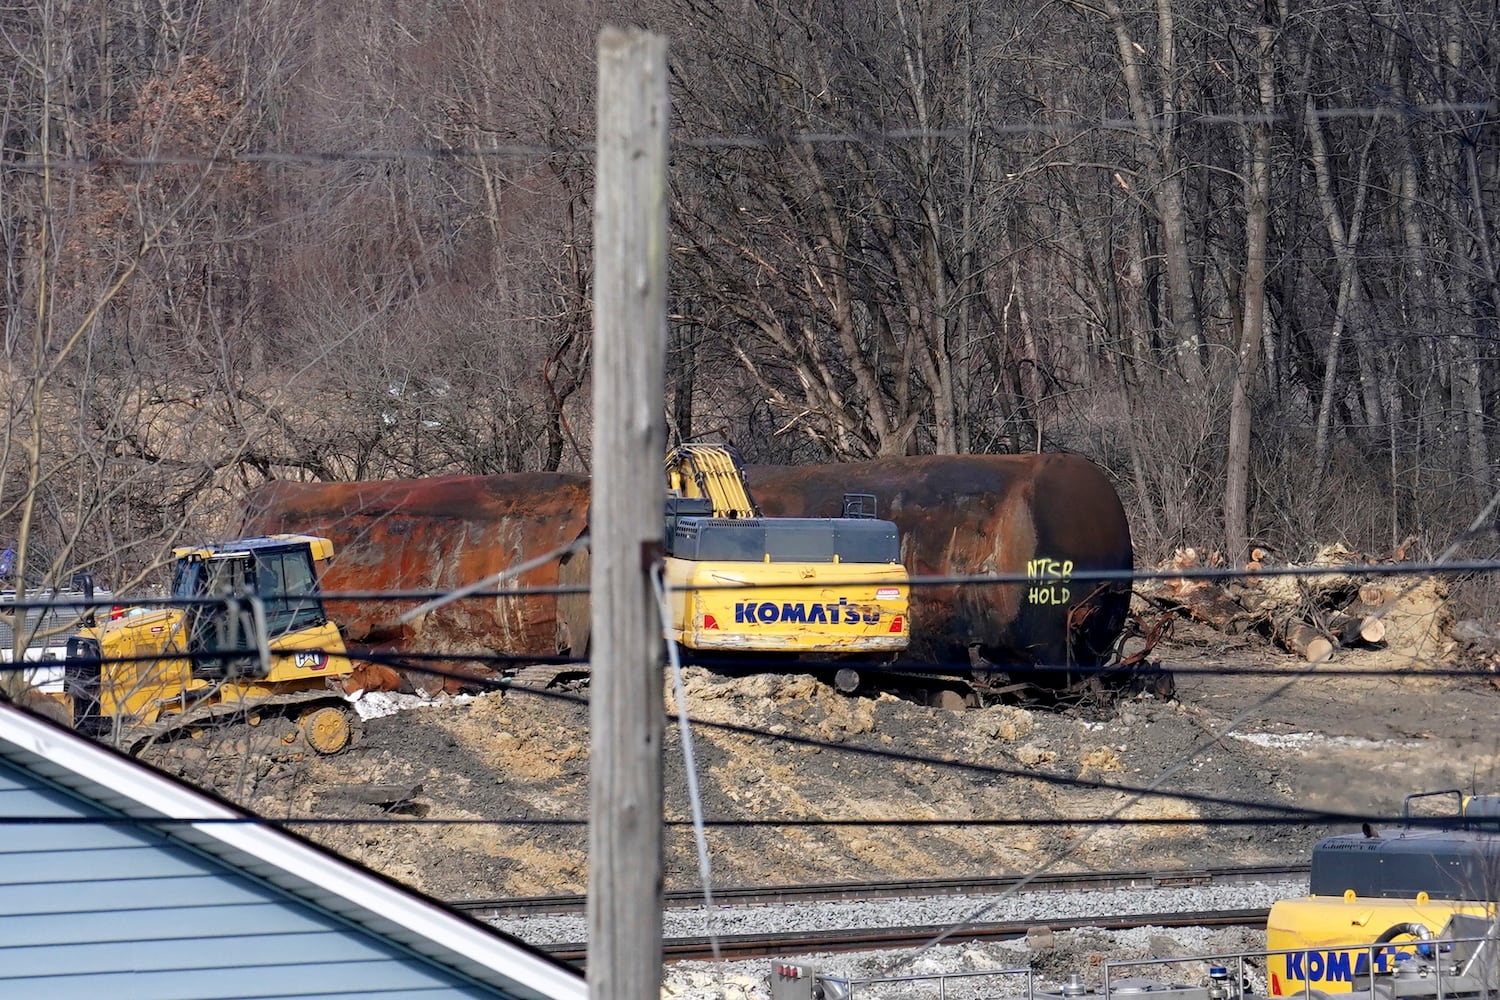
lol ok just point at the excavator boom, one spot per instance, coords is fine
(711, 472)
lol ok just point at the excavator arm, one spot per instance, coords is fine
(711, 472)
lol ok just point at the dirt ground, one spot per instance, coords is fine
(512, 768)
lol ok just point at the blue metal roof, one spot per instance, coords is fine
(97, 899)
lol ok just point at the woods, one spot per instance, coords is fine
(1242, 256)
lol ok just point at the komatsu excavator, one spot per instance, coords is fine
(1395, 886)
(742, 582)
(245, 639)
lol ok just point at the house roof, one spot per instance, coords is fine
(296, 866)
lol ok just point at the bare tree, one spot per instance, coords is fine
(1257, 212)
(847, 278)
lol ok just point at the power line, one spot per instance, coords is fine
(1308, 818)
(749, 141)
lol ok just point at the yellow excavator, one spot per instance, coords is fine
(742, 582)
(245, 639)
(1393, 887)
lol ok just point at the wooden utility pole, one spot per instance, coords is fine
(627, 647)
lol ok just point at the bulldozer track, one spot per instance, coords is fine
(136, 739)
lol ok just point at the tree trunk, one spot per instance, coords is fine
(1345, 241)
(1258, 194)
(1164, 173)
(1471, 238)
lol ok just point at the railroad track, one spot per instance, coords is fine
(744, 946)
(493, 909)
(749, 946)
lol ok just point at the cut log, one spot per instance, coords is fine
(1319, 650)
(1372, 594)
(1304, 640)
(1213, 606)
(1352, 630)
(1203, 601)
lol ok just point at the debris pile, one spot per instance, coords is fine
(1479, 643)
(1337, 601)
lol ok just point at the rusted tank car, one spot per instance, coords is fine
(440, 534)
(1045, 518)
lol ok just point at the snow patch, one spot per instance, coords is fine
(378, 704)
(1308, 741)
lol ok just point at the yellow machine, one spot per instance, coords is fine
(246, 639)
(742, 582)
(1390, 887)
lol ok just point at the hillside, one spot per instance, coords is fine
(1355, 737)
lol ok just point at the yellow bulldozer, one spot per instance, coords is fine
(744, 583)
(243, 637)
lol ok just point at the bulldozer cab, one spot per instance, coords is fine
(246, 589)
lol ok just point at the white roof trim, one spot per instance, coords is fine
(456, 941)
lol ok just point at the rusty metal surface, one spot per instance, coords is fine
(987, 514)
(958, 515)
(436, 534)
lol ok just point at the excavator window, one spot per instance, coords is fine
(786, 539)
(187, 579)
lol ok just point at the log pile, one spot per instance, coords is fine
(1315, 615)
(1480, 645)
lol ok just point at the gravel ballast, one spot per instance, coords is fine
(1061, 953)
(926, 911)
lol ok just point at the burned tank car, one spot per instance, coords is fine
(438, 534)
(1045, 518)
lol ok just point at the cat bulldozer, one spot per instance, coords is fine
(244, 638)
(739, 582)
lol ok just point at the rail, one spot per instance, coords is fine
(743, 946)
(497, 908)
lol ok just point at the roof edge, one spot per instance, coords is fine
(157, 794)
